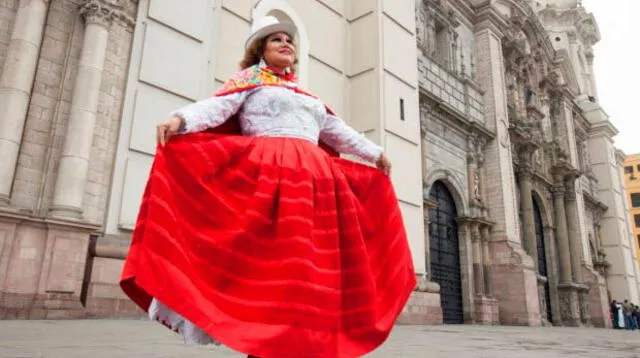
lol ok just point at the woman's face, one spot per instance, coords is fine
(279, 51)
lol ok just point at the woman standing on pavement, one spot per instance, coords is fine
(255, 234)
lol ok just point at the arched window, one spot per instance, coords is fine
(284, 12)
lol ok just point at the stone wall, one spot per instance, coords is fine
(43, 260)
(7, 17)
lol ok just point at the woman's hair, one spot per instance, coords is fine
(253, 54)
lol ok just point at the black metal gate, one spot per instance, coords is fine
(444, 253)
(542, 255)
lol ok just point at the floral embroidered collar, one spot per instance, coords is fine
(258, 76)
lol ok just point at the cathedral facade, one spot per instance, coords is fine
(504, 164)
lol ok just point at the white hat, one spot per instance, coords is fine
(268, 25)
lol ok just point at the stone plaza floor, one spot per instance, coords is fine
(133, 339)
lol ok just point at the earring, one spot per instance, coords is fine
(262, 63)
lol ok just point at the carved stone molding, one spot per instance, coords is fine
(526, 136)
(476, 145)
(105, 12)
(442, 11)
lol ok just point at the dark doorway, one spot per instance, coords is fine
(444, 253)
(542, 255)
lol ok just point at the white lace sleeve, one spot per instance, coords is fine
(210, 112)
(344, 139)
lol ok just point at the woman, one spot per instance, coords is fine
(253, 232)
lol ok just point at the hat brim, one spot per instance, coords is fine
(286, 27)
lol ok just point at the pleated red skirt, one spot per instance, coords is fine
(271, 246)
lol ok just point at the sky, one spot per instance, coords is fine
(617, 67)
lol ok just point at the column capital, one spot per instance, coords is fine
(524, 171)
(475, 231)
(105, 12)
(571, 190)
(464, 222)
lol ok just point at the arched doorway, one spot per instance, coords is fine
(542, 255)
(444, 252)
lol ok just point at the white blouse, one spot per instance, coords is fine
(271, 111)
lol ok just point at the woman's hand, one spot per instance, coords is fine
(384, 164)
(168, 129)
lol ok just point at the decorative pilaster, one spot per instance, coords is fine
(558, 191)
(575, 246)
(526, 138)
(478, 271)
(526, 203)
(572, 228)
(74, 162)
(486, 261)
(567, 290)
(16, 82)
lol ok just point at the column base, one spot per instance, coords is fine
(486, 311)
(583, 299)
(65, 212)
(542, 298)
(569, 304)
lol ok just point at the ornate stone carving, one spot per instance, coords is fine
(566, 313)
(441, 9)
(105, 12)
(527, 138)
(476, 187)
(476, 145)
(585, 313)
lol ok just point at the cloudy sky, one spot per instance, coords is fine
(617, 66)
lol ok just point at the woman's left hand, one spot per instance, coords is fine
(384, 164)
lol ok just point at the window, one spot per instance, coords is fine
(628, 170)
(638, 240)
(635, 200)
(636, 218)
(638, 167)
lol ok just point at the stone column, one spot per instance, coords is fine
(575, 245)
(74, 162)
(18, 74)
(478, 271)
(569, 306)
(486, 263)
(572, 228)
(562, 238)
(525, 174)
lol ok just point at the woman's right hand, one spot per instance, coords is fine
(168, 129)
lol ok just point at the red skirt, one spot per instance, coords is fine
(271, 246)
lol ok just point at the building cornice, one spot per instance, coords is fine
(465, 9)
(488, 17)
(16, 216)
(620, 156)
(604, 128)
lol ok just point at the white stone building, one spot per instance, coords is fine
(505, 170)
